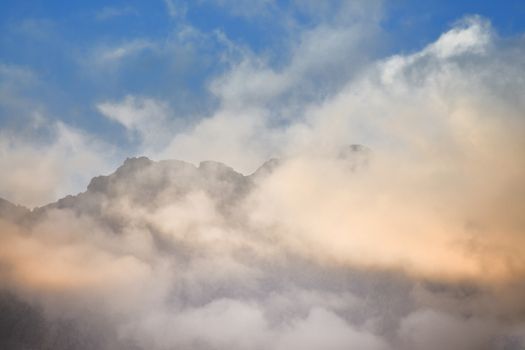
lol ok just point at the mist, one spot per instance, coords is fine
(388, 215)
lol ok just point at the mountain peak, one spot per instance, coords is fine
(135, 163)
(12, 212)
(210, 166)
(267, 168)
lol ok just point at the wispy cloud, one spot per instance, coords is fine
(35, 28)
(116, 53)
(145, 118)
(176, 9)
(110, 12)
(63, 164)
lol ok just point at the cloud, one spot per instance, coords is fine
(15, 81)
(110, 12)
(221, 136)
(322, 329)
(472, 34)
(306, 72)
(146, 118)
(254, 96)
(134, 112)
(413, 241)
(341, 11)
(175, 8)
(38, 29)
(442, 143)
(433, 329)
(38, 171)
(112, 54)
(247, 9)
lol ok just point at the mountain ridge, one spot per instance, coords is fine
(150, 177)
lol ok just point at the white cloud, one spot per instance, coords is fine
(434, 330)
(254, 96)
(176, 9)
(239, 139)
(37, 172)
(323, 329)
(146, 118)
(472, 34)
(41, 29)
(135, 112)
(14, 81)
(321, 253)
(323, 59)
(246, 8)
(434, 122)
(111, 54)
(110, 12)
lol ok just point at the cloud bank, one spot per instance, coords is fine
(414, 241)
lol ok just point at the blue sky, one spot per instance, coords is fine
(63, 63)
(55, 39)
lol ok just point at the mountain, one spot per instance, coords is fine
(146, 182)
(169, 255)
(12, 211)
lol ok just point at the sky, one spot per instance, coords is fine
(319, 175)
(89, 83)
